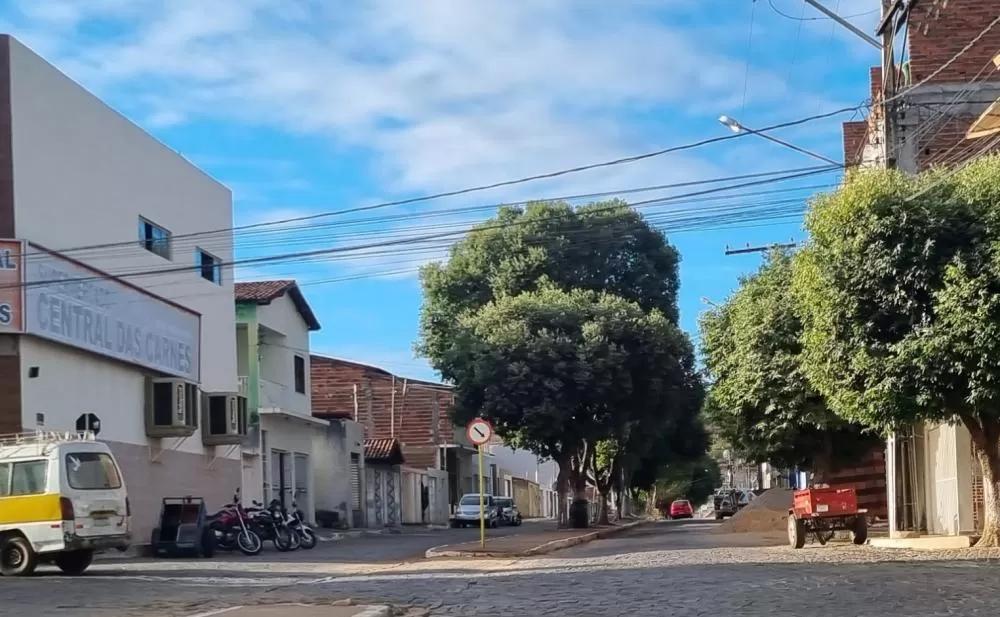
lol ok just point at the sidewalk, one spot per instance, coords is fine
(530, 543)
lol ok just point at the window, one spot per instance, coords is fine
(300, 374)
(209, 266)
(4, 480)
(28, 478)
(154, 238)
(91, 471)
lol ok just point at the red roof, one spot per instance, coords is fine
(265, 292)
(386, 451)
(261, 291)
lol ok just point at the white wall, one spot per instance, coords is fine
(291, 435)
(332, 451)
(522, 464)
(277, 362)
(83, 175)
(72, 382)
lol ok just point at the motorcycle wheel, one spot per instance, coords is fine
(294, 540)
(308, 538)
(282, 539)
(249, 542)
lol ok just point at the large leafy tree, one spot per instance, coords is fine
(552, 369)
(558, 272)
(899, 288)
(760, 402)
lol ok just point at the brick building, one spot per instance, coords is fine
(947, 81)
(411, 411)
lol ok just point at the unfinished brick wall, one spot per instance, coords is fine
(855, 134)
(935, 38)
(415, 412)
(867, 479)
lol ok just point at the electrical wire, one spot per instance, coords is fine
(803, 18)
(262, 237)
(746, 74)
(409, 241)
(479, 188)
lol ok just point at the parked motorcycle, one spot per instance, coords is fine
(232, 529)
(296, 521)
(269, 525)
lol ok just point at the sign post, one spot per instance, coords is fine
(479, 432)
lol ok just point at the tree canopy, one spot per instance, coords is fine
(760, 401)
(559, 325)
(899, 290)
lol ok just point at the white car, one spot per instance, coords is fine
(468, 512)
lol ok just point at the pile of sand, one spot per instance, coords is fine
(768, 512)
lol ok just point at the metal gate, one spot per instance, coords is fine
(357, 515)
(301, 494)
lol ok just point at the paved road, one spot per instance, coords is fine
(675, 568)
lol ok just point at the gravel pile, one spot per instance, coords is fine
(768, 512)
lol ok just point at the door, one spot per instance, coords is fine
(301, 494)
(281, 483)
(357, 516)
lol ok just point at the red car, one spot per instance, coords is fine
(681, 508)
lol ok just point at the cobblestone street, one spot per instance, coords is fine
(659, 569)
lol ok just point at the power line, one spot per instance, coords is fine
(414, 240)
(803, 18)
(285, 232)
(485, 187)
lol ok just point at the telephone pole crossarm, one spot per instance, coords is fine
(760, 249)
(843, 22)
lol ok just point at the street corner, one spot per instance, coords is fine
(529, 544)
(335, 609)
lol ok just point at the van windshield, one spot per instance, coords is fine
(91, 471)
(473, 500)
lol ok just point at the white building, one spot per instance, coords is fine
(272, 341)
(89, 344)
(509, 472)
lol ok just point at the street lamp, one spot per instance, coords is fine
(705, 300)
(735, 126)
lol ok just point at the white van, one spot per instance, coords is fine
(62, 497)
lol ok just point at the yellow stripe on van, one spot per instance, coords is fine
(30, 509)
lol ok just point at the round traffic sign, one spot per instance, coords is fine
(479, 431)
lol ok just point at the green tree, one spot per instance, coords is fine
(760, 402)
(606, 249)
(551, 369)
(899, 288)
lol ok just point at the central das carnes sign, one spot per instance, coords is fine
(71, 304)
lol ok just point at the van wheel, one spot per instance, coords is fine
(17, 558)
(74, 563)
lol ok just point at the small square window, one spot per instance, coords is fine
(209, 266)
(154, 238)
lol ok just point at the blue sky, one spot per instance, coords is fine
(305, 106)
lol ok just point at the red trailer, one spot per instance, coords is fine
(823, 512)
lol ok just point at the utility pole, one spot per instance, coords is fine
(759, 249)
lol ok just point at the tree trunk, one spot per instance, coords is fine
(562, 516)
(985, 434)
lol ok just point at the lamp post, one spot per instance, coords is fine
(735, 126)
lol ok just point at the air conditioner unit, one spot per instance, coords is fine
(225, 419)
(171, 407)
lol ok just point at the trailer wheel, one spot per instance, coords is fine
(796, 532)
(860, 529)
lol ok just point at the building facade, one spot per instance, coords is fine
(415, 413)
(118, 313)
(273, 322)
(945, 88)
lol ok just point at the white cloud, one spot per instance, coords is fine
(446, 92)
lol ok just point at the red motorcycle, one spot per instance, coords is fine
(232, 529)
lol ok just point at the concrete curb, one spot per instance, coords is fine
(376, 611)
(554, 545)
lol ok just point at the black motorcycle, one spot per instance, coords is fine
(269, 525)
